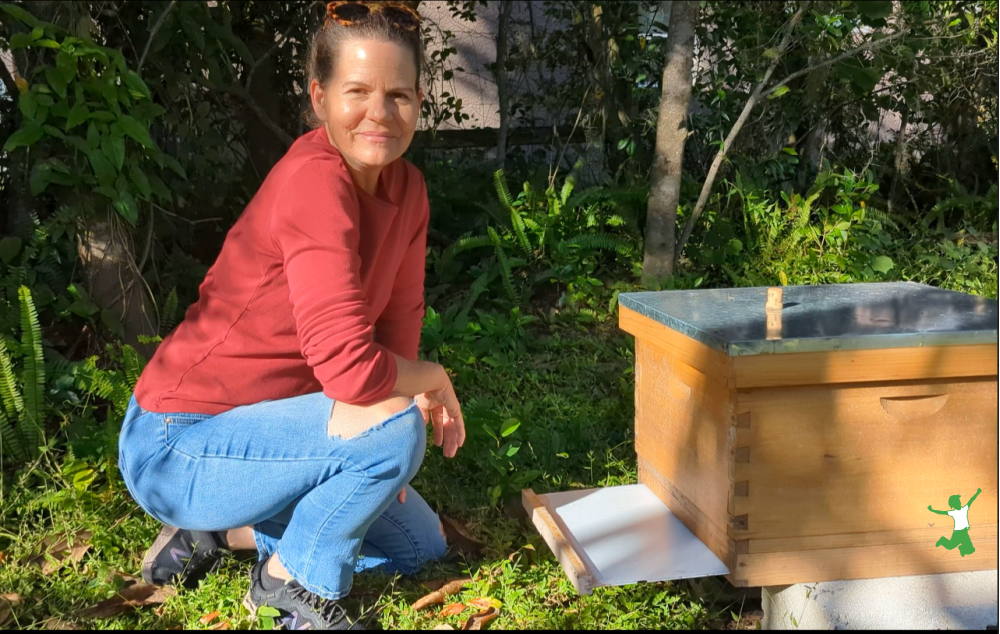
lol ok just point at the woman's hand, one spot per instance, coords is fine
(430, 386)
(441, 408)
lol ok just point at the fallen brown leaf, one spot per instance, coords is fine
(127, 580)
(479, 621)
(485, 603)
(3, 556)
(208, 618)
(128, 598)
(223, 625)
(460, 540)
(452, 610)
(57, 551)
(442, 626)
(437, 584)
(7, 603)
(438, 596)
(55, 624)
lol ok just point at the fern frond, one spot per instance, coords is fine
(791, 243)
(554, 206)
(465, 243)
(34, 371)
(478, 288)
(169, 319)
(505, 270)
(10, 443)
(499, 216)
(566, 190)
(47, 266)
(615, 220)
(134, 365)
(883, 218)
(531, 224)
(808, 202)
(603, 242)
(58, 366)
(111, 386)
(13, 404)
(503, 193)
(519, 231)
(615, 197)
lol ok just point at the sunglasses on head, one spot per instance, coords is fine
(351, 12)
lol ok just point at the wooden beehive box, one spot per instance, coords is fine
(805, 444)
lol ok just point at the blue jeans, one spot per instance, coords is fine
(326, 505)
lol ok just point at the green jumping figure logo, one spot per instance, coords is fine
(960, 536)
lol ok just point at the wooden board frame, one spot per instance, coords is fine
(542, 516)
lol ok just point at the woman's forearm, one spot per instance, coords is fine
(418, 377)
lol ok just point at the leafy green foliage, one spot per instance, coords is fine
(549, 237)
(962, 261)
(169, 318)
(829, 236)
(43, 258)
(116, 384)
(23, 414)
(86, 118)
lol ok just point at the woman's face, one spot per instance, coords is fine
(371, 105)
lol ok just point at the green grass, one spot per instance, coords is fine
(572, 392)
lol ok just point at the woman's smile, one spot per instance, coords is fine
(377, 137)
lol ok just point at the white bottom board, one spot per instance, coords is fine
(626, 535)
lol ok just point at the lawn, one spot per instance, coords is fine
(563, 395)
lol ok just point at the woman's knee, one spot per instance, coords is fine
(390, 437)
(408, 437)
(347, 421)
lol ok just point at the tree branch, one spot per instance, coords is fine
(833, 60)
(706, 189)
(277, 44)
(152, 34)
(562, 151)
(269, 123)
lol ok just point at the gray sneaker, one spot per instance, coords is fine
(179, 556)
(299, 608)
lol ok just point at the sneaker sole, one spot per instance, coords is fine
(150, 560)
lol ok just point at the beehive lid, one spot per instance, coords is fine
(823, 318)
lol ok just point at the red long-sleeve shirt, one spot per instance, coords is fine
(307, 276)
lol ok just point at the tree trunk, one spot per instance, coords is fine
(901, 163)
(500, 72)
(114, 282)
(671, 133)
(598, 53)
(18, 202)
(107, 261)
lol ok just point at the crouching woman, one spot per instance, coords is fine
(287, 412)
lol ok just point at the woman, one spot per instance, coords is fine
(286, 413)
